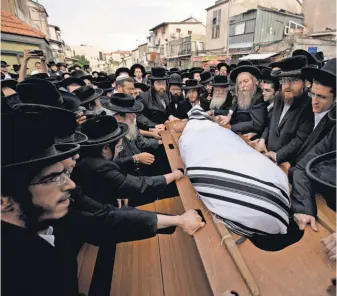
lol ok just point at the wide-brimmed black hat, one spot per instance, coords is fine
(71, 80)
(122, 103)
(65, 73)
(103, 130)
(134, 67)
(87, 94)
(312, 59)
(121, 70)
(195, 70)
(158, 73)
(325, 75)
(61, 64)
(93, 72)
(77, 65)
(185, 75)
(43, 92)
(232, 67)
(175, 79)
(220, 81)
(105, 85)
(76, 138)
(320, 55)
(218, 66)
(81, 75)
(244, 63)
(4, 64)
(102, 73)
(174, 70)
(142, 86)
(322, 172)
(35, 127)
(192, 84)
(111, 78)
(241, 69)
(51, 63)
(11, 83)
(260, 67)
(291, 67)
(206, 77)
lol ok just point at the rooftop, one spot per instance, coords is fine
(217, 3)
(189, 21)
(12, 25)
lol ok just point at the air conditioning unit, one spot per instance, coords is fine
(173, 35)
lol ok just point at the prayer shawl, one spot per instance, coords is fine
(241, 186)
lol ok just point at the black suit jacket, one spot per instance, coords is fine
(176, 110)
(321, 130)
(103, 181)
(251, 120)
(287, 137)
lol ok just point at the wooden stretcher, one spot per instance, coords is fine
(210, 262)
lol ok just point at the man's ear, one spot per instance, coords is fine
(6, 204)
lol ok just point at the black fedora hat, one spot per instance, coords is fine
(185, 75)
(103, 130)
(35, 127)
(122, 70)
(158, 73)
(11, 83)
(192, 84)
(87, 94)
(43, 92)
(105, 85)
(221, 81)
(244, 63)
(122, 103)
(71, 80)
(291, 67)
(175, 79)
(75, 138)
(206, 77)
(325, 75)
(134, 67)
(195, 70)
(312, 59)
(174, 70)
(142, 86)
(241, 69)
(322, 172)
(4, 64)
(81, 75)
(218, 66)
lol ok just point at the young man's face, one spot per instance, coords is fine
(52, 198)
(292, 87)
(4, 69)
(196, 76)
(175, 90)
(54, 68)
(138, 73)
(38, 66)
(322, 98)
(223, 71)
(192, 95)
(268, 92)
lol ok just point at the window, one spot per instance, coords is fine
(178, 30)
(240, 29)
(162, 50)
(216, 24)
(189, 32)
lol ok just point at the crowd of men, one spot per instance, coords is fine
(80, 150)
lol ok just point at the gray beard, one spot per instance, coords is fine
(245, 99)
(217, 102)
(133, 131)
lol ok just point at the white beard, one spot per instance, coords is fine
(217, 102)
(245, 99)
(133, 131)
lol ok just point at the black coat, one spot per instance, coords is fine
(321, 130)
(176, 110)
(303, 193)
(103, 181)
(287, 137)
(31, 266)
(224, 108)
(153, 113)
(251, 120)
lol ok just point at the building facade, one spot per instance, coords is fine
(93, 54)
(39, 16)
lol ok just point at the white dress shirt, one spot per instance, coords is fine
(48, 235)
(284, 111)
(319, 116)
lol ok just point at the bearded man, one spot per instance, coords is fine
(292, 119)
(249, 113)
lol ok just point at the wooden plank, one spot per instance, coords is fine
(183, 273)
(86, 260)
(219, 267)
(326, 216)
(137, 270)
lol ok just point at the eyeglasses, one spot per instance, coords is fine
(60, 179)
(320, 97)
(289, 80)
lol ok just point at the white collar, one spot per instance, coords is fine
(319, 117)
(48, 235)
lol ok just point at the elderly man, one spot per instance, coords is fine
(292, 120)
(249, 113)
(37, 192)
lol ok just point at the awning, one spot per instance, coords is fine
(258, 56)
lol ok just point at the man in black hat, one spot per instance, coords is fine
(62, 67)
(221, 101)
(124, 85)
(53, 70)
(206, 79)
(195, 73)
(122, 71)
(176, 98)
(4, 70)
(192, 96)
(292, 120)
(103, 179)
(37, 193)
(137, 71)
(248, 115)
(139, 88)
(223, 69)
(185, 76)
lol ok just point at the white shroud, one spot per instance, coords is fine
(237, 183)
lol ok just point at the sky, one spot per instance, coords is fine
(123, 24)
